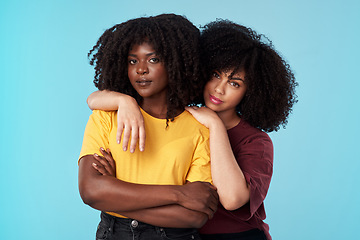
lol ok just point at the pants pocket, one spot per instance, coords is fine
(102, 232)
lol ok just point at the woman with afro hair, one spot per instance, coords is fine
(162, 191)
(250, 91)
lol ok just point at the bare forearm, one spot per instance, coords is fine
(174, 216)
(110, 194)
(107, 100)
(226, 173)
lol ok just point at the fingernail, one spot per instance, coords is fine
(102, 149)
(94, 164)
(124, 148)
(141, 149)
(96, 154)
(118, 141)
(132, 150)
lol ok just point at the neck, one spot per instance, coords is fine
(155, 108)
(229, 118)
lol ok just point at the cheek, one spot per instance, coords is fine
(238, 97)
(206, 91)
(208, 86)
(159, 72)
(162, 74)
(130, 72)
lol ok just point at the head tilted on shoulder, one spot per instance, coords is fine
(175, 41)
(270, 83)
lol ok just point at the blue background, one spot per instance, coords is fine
(46, 78)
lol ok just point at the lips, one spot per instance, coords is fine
(143, 82)
(215, 100)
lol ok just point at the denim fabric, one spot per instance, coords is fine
(254, 234)
(114, 228)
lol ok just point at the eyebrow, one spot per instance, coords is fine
(148, 54)
(239, 79)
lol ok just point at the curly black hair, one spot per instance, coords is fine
(270, 82)
(175, 40)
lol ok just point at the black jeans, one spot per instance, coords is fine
(254, 234)
(112, 228)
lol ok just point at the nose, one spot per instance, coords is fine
(220, 87)
(142, 68)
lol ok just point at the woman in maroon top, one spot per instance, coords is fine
(251, 91)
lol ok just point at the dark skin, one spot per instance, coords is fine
(187, 206)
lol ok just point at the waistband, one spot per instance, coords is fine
(113, 221)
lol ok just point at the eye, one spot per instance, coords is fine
(154, 60)
(234, 84)
(216, 75)
(132, 61)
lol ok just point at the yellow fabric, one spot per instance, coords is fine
(172, 155)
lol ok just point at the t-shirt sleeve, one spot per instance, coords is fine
(200, 165)
(256, 162)
(96, 133)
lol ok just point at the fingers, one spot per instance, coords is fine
(100, 169)
(200, 196)
(142, 138)
(210, 213)
(126, 136)
(119, 132)
(106, 165)
(213, 201)
(101, 165)
(134, 138)
(136, 131)
(190, 109)
(130, 124)
(108, 157)
(211, 208)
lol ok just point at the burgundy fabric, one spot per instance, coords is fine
(253, 150)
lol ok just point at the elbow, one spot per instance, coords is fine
(87, 198)
(89, 102)
(232, 204)
(234, 200)
(88, 195)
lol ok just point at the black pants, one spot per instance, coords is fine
(112, 228)
(254, 234)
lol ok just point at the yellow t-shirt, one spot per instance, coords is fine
(172, 155)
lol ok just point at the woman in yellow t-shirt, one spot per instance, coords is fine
(163, 190)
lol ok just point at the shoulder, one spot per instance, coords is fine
(103, 114)
(244, 132)
(100, 114)
(246, 138)
(104, 118)
(187, 124)
(189, 119)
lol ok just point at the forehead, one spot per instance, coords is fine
(232, 72)
(144, 46)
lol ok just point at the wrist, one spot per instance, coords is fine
(214, 123)
(124, 100)
(177, 194)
